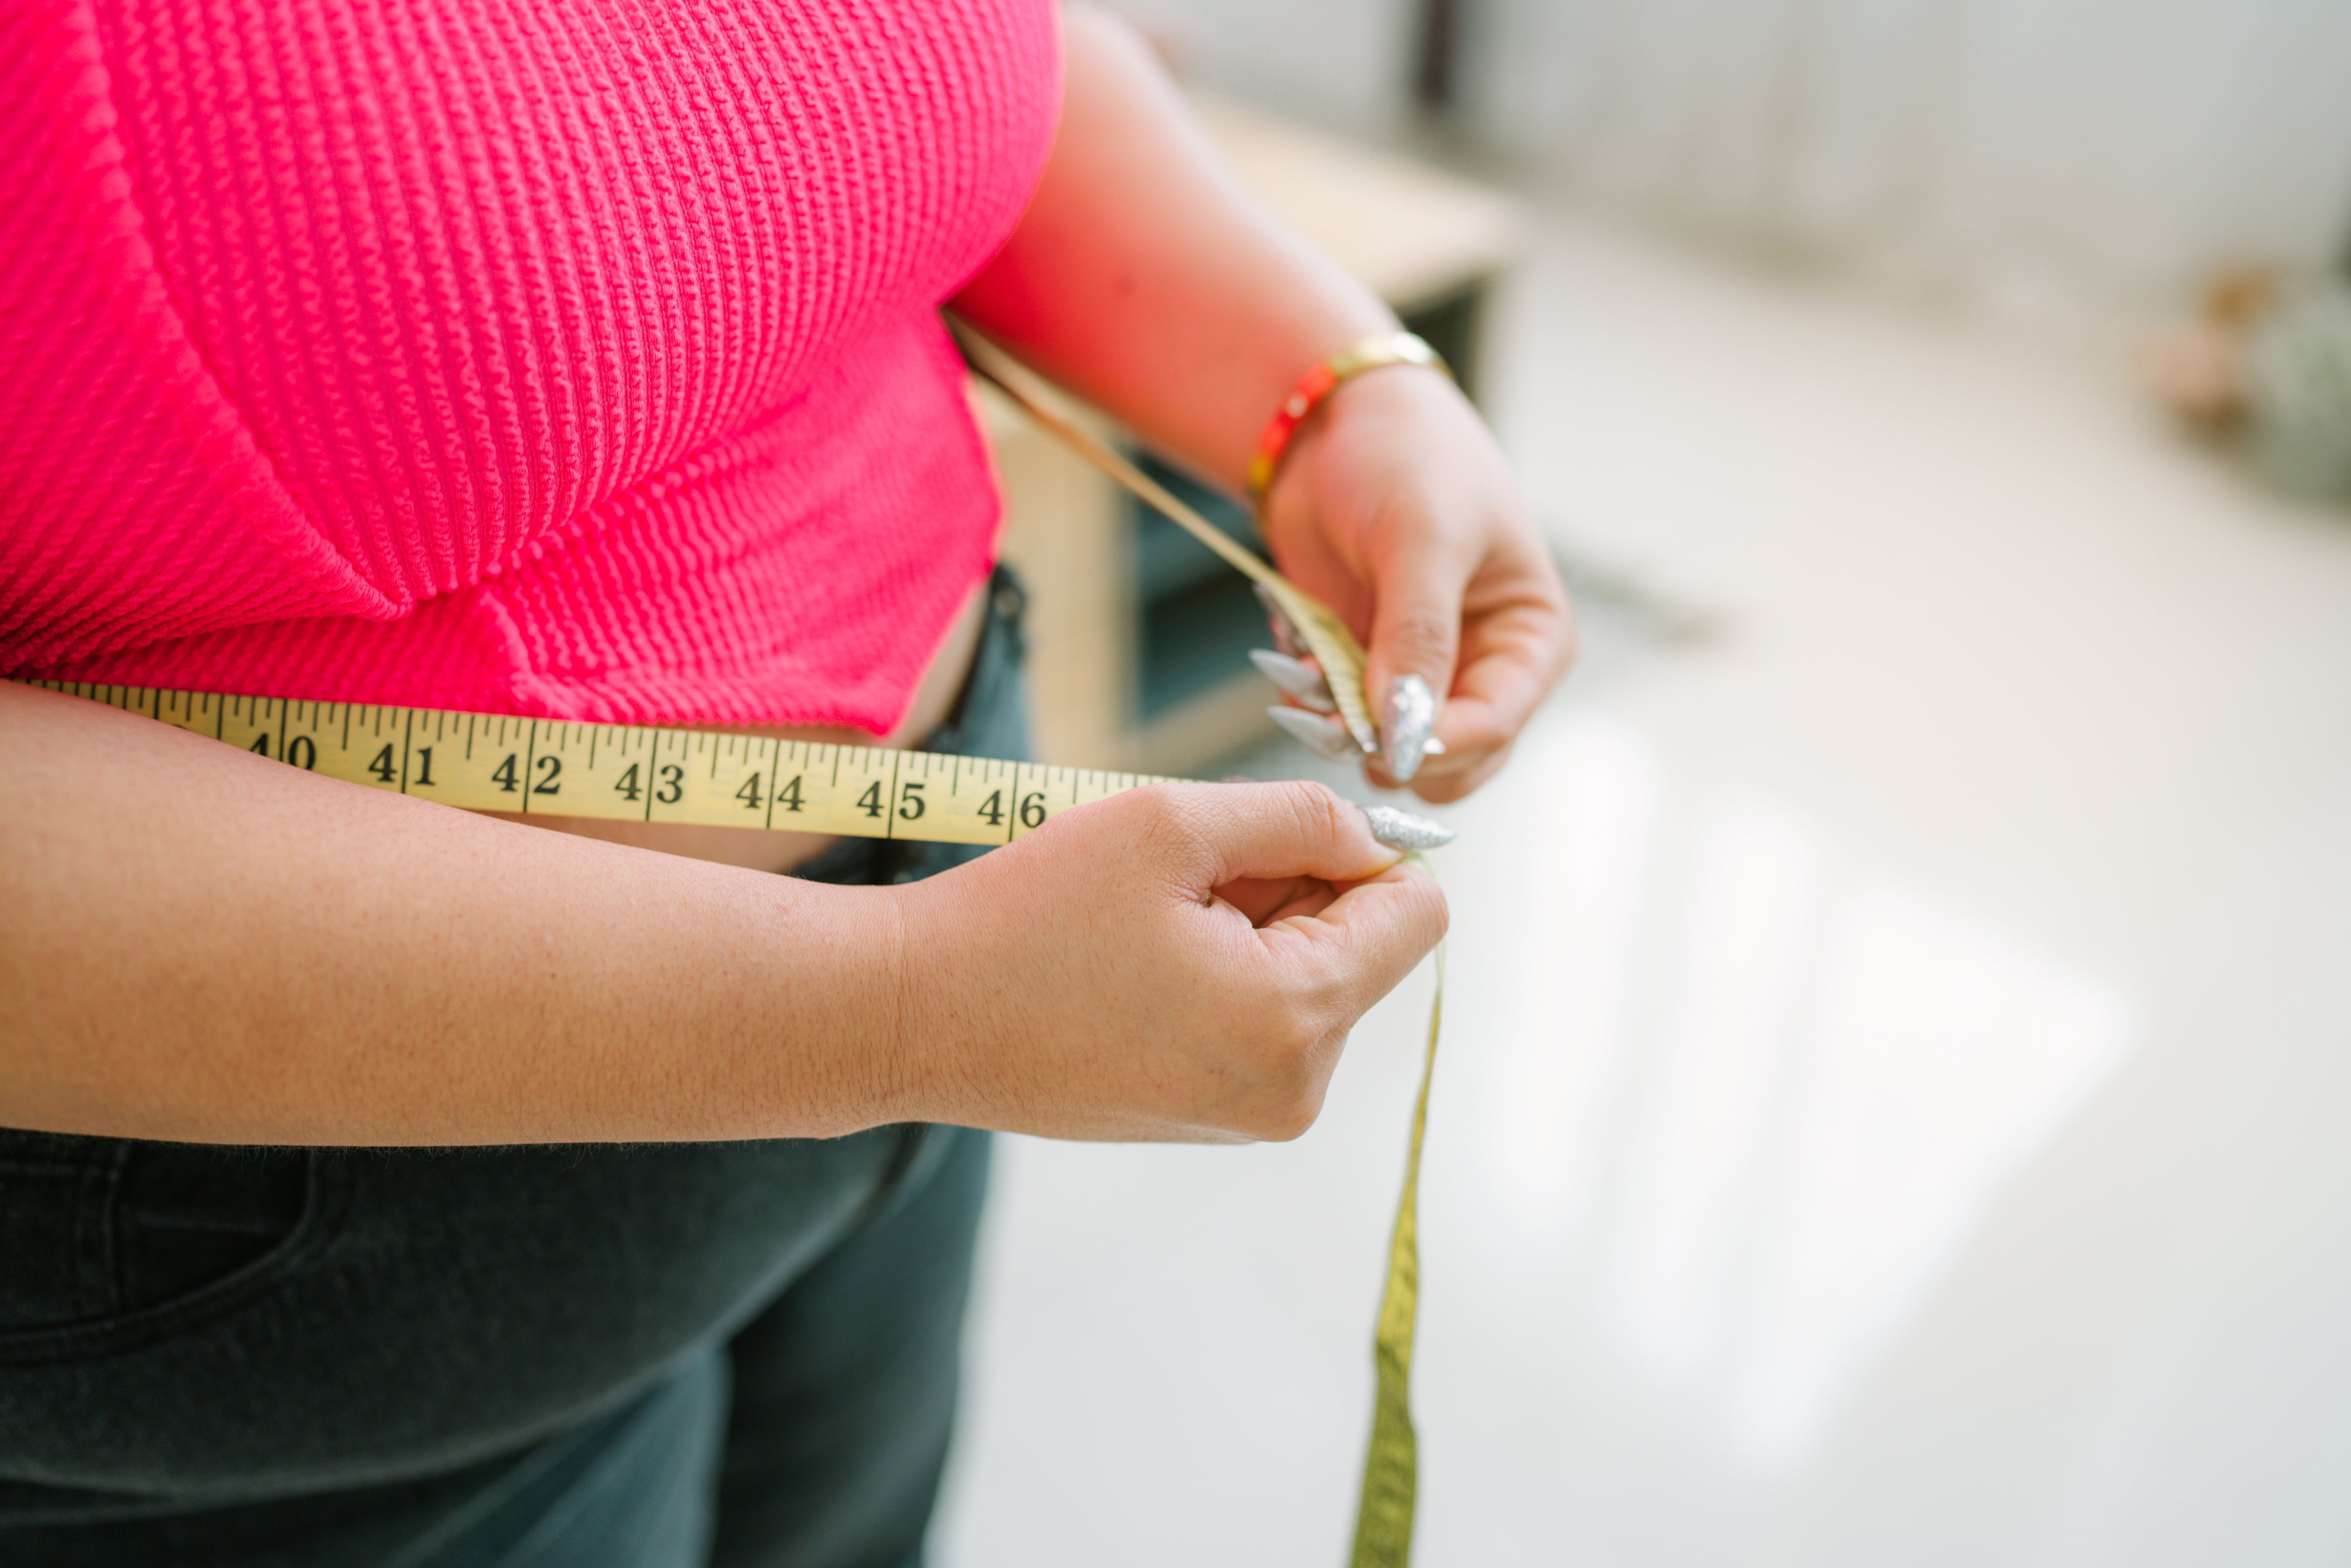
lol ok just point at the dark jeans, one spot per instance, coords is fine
(556, 1357)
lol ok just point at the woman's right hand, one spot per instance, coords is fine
(1180, 961)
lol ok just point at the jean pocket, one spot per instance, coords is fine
(56, 1197)
(105, 1235)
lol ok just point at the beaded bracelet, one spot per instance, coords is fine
(1318, 384)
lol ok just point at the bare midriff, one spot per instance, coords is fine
(760, 849)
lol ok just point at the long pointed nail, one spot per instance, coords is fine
(1296, 677)
(1285, 631)
(1403, 728)
(1407, 831)
(1325, 737)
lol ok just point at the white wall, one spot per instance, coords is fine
(2113, 147)
(1346, 63)
(2026, 154)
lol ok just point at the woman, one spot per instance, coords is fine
(398, 1184)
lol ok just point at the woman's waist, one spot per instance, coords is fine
(938, 694)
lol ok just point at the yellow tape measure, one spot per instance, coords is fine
(634, 773)
(1392, 1462)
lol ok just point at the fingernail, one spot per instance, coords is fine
(1432, 747)
(1403, 728)
(1295, 676)
(1405, 831)
(1285, 631)
(1325, 737)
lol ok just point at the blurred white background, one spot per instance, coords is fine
(1898, 1059)
(2036, 155)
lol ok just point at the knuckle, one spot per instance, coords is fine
(1317, 809)
(1444, 792)
(1435, 907)
(1419, 631)
(1443, 789)
(1290, 1080)
(1168, 818)
(1478, 730)
(1289, 1120)
(1291, 1025)
(1162, 804)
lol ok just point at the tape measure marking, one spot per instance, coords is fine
(540, 766)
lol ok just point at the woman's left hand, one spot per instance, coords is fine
(1144, 278)
(1394, 507)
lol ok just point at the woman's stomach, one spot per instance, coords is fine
(761, 850)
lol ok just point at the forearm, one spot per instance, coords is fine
(198, 944)
(1143, 278)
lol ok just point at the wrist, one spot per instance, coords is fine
(1391, 414)
(1302, 405)
(912, 1071)
(826, 1046)
(897, 1062)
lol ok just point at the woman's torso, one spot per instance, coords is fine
(576, 359)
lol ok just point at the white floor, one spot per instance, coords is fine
(1897, 1102)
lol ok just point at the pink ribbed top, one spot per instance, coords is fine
(575, 358)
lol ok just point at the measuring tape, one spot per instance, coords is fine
(634, 773)
(642, 773)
